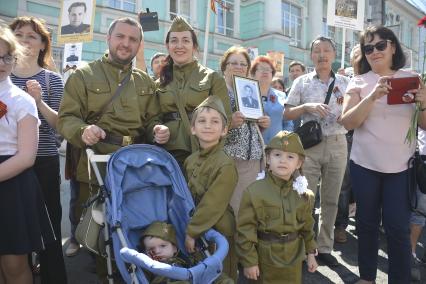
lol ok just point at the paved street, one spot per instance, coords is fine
(81, 268)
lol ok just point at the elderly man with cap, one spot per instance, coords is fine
(183, 85)
(109, 104)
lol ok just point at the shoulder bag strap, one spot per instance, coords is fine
(47, 83)
(100, 113)
(330, 89)
(185, 119)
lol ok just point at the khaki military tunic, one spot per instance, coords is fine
(191, 84)
(212, 178)
(85, 93)
(271, 205)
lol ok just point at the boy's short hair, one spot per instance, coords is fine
(199, 110)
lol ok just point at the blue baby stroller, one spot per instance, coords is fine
(145, 184)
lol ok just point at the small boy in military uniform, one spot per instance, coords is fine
(159, 242)
(212, 178)
(275, 222)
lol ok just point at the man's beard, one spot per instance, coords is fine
(115, 58)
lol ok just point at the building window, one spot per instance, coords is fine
(126, 5)
(225, 17)
(292, 22)
(179, 7)
(328, 31)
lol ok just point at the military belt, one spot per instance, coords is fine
(121, 140)
(170, 116)
(277, 238)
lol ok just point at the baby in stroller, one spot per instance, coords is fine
(159, 242)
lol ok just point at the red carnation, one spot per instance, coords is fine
(422, 22)
(272, 98)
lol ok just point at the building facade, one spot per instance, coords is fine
(270, 25)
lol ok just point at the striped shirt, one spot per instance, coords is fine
(47, 142)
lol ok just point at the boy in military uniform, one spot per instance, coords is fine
(275, 222)
(159, 242)
(212, 178)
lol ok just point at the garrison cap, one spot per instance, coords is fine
(287, 142)
(214, 102)
(179, 24)
(161, 230)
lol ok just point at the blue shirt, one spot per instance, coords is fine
(273, 106)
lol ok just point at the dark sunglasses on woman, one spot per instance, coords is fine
(380, 46)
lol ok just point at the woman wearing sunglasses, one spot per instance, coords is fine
(380, 155)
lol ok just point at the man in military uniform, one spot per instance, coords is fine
(275, 222)
(93, 113)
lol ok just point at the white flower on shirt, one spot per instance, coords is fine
(300, 184)
(260, 175)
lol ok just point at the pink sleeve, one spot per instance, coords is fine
(355, 85)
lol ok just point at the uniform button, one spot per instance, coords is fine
(97, 90)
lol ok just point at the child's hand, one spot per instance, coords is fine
(252, 272)
(312, 263)
(190, 244)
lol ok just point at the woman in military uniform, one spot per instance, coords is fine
(275, 223)
(183, 85)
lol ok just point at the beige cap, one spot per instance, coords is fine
(179, 24)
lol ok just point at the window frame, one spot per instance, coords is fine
(122, 5)
(292, 22)
(172, 15)
(224, 27)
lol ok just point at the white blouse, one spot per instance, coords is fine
(19, 105)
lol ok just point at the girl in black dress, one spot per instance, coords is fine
(24, 220)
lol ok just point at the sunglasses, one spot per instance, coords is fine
(379, 46)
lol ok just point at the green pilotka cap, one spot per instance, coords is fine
(179, 24)
(161, 230)
(287, 142)
(213, 102)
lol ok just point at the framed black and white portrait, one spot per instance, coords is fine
(249, 100)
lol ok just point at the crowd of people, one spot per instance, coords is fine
(251, 180)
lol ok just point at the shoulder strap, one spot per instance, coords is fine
(330, 89)
(185, 119)
(100, 113)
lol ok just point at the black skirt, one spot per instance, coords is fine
(24, 221)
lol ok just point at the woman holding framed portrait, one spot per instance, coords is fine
(273, 100)
(244, 141)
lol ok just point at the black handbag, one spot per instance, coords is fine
(418, 172)
(310, 133)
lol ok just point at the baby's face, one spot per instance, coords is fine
(159, 249)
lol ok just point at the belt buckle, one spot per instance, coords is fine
(127, 140)
(284, 236)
